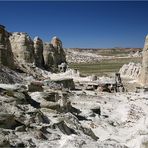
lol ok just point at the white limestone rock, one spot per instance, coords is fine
(22, 47)
(144, 70)
(131, 70)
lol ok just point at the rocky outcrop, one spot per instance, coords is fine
(49, 56)
(6, 56)
(131, 70)
(45, 117)
(144, 70)
(9, 76)
(56, 42)
(38, 51)
(65, 83)
(22, 47)
(54, 54)
(60, 56)
(25, 52)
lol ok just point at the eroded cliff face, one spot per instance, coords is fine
(54, 54)
(144, 70)
(49, 55)
(38, 50)
(22, 47)
(60, 56)
(5, 48)
(22, 50)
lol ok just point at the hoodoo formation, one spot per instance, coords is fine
(144, 69)
(44, 103)
(21, 49)
(38, 51)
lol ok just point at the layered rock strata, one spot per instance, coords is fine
(53, 53)
(22, 50)
(131, 70)
(22, 47)
(5, 48)
(144, 70)
(38, 50)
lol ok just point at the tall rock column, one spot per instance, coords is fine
(54, 54)
(144, 69)
(59, 54)
(48, 54)
(6, 55)
(22, 47)
(38, 51)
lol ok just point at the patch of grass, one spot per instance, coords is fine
(103, 67)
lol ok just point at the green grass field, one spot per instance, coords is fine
(103, 67)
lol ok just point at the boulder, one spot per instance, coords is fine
(7, 76)
(35, 86)
(104, 88)
(45, 96)
(38, 51)
(7, 120)
(62, 67)
(4, 141)
(65, 82)
(52, 100)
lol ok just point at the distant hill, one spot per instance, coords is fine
(92, 55)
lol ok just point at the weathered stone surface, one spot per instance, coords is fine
(48, 96)
(4, 141)
(56, 42)
(53, 53)
(49, 56)
(7, 76)
(35, 86)
(60, 54)
(6, 56)
(131, 70)
(62, 67)
(65, 82)
(38, 50)
(22, 47)
(144, 70)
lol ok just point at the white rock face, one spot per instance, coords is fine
(123, 117)
(22, 47)
(144, 69)
(131, 70)
(53, 53)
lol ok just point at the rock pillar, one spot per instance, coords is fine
(144, 69)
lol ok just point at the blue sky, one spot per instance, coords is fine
(88, 24)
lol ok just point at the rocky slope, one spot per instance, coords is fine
(39, 108)
(45, 114)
